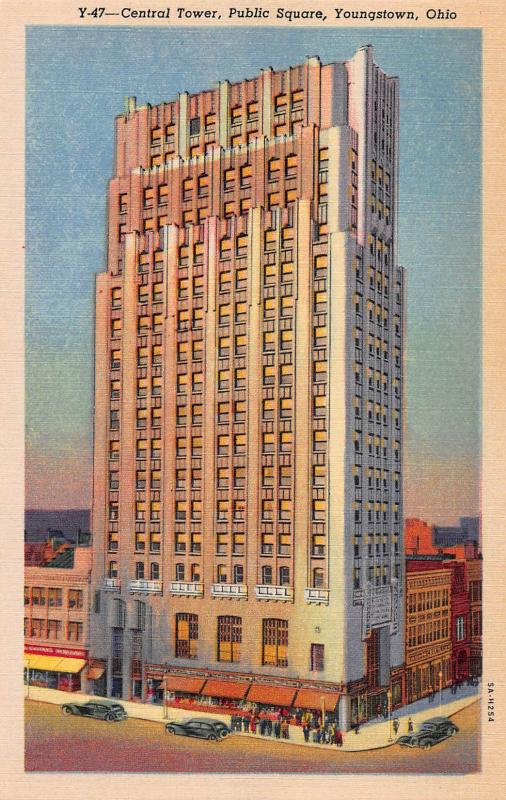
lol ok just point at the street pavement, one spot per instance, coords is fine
(54, 742)
(377, 733)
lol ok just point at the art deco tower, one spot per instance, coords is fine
(247, 510)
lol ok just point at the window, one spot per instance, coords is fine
(318, 579)
(290, 166)
(38, 596)
(75, 598)
(267, 575)
(284, 576)
(274, 169)
(195, 126)
(54, 598)
(317, 657)
(460, 628)
(229, 638)
(187, 634)
(75, 631)
(154, 572)
(245, 177)
(275, 642)
(139, 571)
(238, 573)
(53, 629)
(37, 630)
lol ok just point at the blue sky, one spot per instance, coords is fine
(77, 79)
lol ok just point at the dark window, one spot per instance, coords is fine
(194, 126)
(317, 657)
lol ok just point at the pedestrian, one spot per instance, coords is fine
(395, 723)
(305, 731)
(245, 724)
(262, 727)
(357, 727)
(269, 727)
(410, 725)
(285, 729)
(338, 738)
(277, 729)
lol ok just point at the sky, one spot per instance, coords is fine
(77, 80)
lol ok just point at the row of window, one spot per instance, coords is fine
(229, 639)
(427, 632)
(426, 600)
(53, 597)
(53, 629)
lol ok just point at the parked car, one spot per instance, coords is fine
(200, 728)
(431, 732)
(98, 709)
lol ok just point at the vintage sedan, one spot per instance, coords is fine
(431, 732)
(210, 729)
(98, 709)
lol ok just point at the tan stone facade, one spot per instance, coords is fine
(247, 510)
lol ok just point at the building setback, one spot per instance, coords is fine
(247, 505)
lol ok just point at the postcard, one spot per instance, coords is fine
(255, 319)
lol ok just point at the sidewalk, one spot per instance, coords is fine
(372, 735)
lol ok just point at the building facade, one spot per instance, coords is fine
(247, 506)
(428, 628)
(474, 580)
(56, 619)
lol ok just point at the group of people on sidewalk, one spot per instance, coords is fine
(278, 727)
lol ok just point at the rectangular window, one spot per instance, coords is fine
(75, 598)
(317, 657)
(229, 638)
(54, 598)
(187, 634)
(275, 642)
(74, 631)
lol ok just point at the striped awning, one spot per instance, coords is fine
(272, 695)
(54, 663)
(183, 683)
(314, 699)
(234, 690)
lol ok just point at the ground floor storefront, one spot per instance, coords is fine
(55, 667)
(425, 678)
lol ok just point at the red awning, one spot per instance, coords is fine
(272, 695)
(235, 690)
(315, 698)
(95, 670)
(183, 683)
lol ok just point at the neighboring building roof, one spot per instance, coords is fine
(66, 523)
(62, 560)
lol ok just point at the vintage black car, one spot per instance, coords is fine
(200, 728)
(98, 709)
(431, 732)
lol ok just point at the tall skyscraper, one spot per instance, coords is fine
(247, 508)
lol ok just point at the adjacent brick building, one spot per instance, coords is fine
(428, 627)
(56, 620)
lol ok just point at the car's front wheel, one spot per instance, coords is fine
(426, 745)
(212, 737)
(171, 731)
(66, 710)
(451, 731)
(110, 718)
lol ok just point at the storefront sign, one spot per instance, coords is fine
(62, 652)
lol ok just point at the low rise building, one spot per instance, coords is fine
(57, 605)
(428, 627)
